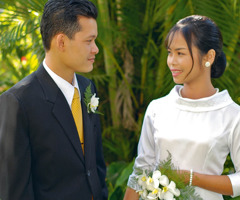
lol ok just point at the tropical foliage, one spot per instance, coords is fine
(130, 69)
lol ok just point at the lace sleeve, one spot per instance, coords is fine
(132, 181)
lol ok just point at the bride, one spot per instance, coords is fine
(198, 124)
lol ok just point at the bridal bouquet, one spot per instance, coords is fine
(164, 184)
(157, 187)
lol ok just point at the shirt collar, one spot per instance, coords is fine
(66, 88)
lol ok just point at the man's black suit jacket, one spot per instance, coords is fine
(40, 152)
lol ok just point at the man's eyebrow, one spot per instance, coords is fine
(92, 36)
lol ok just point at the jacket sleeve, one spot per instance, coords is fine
(15, 154)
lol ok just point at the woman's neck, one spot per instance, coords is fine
(197, 92)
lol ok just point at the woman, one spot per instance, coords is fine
(196, 123)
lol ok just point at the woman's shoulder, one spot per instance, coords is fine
(163, 103)
(167, 99)
(232, 105)
(234, 110)
(159, 102)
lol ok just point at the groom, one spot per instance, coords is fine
(50, 145)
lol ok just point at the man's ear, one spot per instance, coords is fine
(61, 41)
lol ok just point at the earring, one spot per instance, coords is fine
(207, 64)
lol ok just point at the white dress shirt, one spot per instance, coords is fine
(198, 133)
(66, 88)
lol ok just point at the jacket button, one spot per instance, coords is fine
(88, 173)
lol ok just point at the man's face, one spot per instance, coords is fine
(80, 51)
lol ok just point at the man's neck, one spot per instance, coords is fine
(59, 68)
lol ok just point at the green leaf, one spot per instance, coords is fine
(122, 179)
(87, 95)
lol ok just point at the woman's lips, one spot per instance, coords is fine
(176, 72)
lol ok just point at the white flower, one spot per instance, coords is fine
(163, 180)
(94, 103)
(142, 179)
(91, 101)
(169, 192)
(156, 174)
(153, 182)
(143, 193)
(154, 194)
(172, 188)
(156, 187)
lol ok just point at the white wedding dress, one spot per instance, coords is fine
(198, 133)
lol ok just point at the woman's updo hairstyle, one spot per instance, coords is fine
(205, 35)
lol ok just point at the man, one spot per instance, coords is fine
(40, 150)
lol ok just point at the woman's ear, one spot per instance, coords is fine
(210, 56)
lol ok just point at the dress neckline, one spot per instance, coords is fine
(216, 101)
(180, 91)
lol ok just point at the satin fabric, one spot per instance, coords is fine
(198, 133)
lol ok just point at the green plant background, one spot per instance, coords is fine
(130, 69)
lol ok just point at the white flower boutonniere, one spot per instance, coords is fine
(91, 101)
(94, 101)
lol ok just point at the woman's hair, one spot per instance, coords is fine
(203, 33)
(61, 16)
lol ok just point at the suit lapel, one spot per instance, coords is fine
(64, 116)
(60, 109)
(87, 121)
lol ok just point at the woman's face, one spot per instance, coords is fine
(180, 62)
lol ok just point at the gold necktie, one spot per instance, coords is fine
(77, 115)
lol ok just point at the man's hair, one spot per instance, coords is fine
(61, 16)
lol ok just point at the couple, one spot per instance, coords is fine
(47, 152)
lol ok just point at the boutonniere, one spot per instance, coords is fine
(91, 101)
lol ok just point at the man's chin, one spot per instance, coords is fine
(86, 70)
